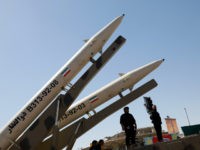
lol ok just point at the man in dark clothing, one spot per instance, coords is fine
(156, 120)
(100, 144)
(128, 124)
(94, 145)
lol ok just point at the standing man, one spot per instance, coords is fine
(128, 124)
(156, 120)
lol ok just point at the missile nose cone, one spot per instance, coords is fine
(119, 18)
(108, 30)
(161, 60)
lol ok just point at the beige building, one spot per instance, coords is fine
(171, 125)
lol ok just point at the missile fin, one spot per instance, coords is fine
(121, 74)
(85, 41)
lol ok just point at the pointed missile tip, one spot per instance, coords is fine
(121, 17)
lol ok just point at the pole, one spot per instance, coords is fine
(187, 116)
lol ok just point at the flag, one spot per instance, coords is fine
(65, 72)
(93, 99)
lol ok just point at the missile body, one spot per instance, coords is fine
(54, 86)
(27, 140)
(105, 93)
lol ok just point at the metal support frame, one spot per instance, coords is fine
(55, 129)
(68, 135)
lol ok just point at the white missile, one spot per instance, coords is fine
(53, 87)
(105, 93)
